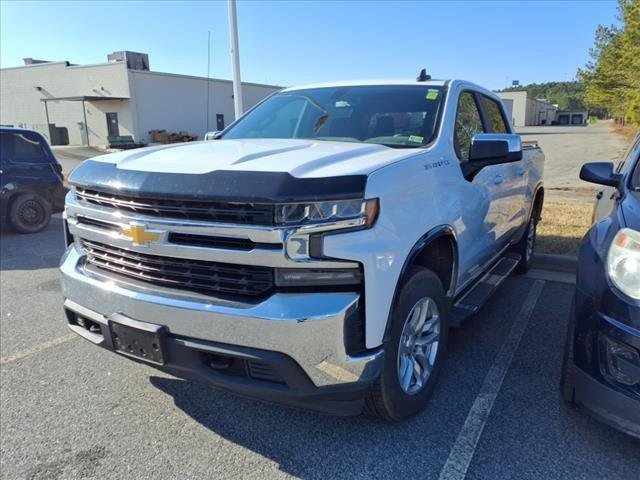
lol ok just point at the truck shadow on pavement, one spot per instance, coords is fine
(32, 252)
(530, 422)
(310, 445)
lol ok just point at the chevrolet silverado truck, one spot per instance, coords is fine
(317, 252)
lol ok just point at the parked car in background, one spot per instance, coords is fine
(601, 370)
(31, 187)
(318, 252)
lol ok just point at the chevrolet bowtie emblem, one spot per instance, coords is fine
(139, 235)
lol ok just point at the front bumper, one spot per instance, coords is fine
(607, 404)
(299, 335)
(607, 357)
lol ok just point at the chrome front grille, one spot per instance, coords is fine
(184, 209)
(181, 273)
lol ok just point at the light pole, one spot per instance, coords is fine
(235, 58)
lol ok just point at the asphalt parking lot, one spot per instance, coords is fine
(566, 149)
(71, 410)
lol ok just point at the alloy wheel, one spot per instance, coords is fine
(418, 347)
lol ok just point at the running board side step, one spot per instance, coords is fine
(473, 300)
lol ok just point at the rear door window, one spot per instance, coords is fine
(495, 117)
(22, 147)
(468, 123)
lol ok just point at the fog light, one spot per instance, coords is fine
(303, 277)
(621, 362)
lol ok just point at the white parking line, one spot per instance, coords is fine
(37, 348)
(461, 454)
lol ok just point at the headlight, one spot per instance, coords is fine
(623, 262)
(361, 212)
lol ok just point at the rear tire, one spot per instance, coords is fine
(414, 349)
(29, 213)
(526, 246)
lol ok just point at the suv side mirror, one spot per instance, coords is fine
(491, 149)
(600, 173)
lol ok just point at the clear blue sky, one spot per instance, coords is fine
(287, 43)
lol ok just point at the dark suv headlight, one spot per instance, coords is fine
(623, 262)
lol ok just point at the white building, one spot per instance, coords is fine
(525, 111)
(117, 98)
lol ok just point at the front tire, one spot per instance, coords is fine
(568, 372)
(29, 213)
(414, 349)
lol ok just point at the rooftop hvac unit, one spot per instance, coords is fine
(134, 60)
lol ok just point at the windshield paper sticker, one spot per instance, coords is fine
(432, 94)
(416, 139)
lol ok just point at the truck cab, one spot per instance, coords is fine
(316, 252)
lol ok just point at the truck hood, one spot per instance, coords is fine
(299, 158)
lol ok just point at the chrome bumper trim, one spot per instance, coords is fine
(308, 327)
(276, 258)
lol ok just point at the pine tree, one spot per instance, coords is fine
(612, 78)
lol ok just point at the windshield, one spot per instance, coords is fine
(392, 115)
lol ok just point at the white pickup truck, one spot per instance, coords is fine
(317, 252)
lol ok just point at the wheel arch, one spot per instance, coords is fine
(436, 250)
(538, 203)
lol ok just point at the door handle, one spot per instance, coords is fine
(520, 171)
(599, 195)
(498, 179)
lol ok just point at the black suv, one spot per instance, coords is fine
(31, 185)
(601, 370)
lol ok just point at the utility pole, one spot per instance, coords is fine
(235, 58)
(208, 74)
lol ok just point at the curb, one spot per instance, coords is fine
(556, 263)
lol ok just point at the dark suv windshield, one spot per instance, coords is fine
(393, 115)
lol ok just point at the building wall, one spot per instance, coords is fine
(97, 119)
(519, 107)
(156, 100)
(572, 117)
(526, 111)
(20, 103)
(179, 103)
(540, 113)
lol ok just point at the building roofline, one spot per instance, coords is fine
(37, 65)
(195, 77)
(147, 72)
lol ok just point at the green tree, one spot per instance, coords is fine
(568, 95)
(612, 77)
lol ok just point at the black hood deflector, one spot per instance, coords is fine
(221, 185)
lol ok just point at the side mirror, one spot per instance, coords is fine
(600, 173)
(491, 149)
(215, 135)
